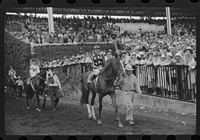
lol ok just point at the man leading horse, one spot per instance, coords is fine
(104, 86)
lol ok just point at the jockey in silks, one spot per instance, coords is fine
(34, 69)
(98, 62)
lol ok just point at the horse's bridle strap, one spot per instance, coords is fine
(41, 77)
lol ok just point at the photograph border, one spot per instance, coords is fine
(87, 3)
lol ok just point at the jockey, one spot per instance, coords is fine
(98, 62)
(12, 73)
(34, 69)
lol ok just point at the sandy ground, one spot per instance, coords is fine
(71, 119)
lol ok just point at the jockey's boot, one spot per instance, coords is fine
(93, 77)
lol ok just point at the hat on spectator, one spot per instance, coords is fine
(19, 77)
(133, 53)
(163, 55)
(178, 54)
(96, 47)
(141, 53)
(123, 52)
(128, 67)
(169, 54)
(190, 49)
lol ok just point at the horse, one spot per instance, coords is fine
(36, 88)
(104, 86)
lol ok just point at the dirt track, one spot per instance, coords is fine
(71, 119)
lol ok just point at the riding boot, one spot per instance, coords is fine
(93, 77)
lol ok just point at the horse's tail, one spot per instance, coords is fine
(85, 92)
(29, 92)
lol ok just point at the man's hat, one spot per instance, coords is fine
(128, 67)
(19, 77)
(163, 55)
(96, 47)
(188, 48)
(123, 52)
(133, 53)
(169, 54)
(178, 54)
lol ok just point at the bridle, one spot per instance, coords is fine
(41, 77)
(114, 67)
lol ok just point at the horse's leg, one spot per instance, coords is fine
(100, 108)
(56, 103)
(87, 104)
(38, 101)
(27, 100)
(44, 101)
(92, 104)
(113, 97)
(57, 99)
(51, 92)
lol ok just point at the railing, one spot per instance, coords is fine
(172, 81)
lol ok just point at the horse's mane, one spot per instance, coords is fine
(108, 64)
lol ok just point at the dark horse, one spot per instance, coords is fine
(104, 86)
(35, 89)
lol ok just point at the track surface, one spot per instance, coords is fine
(71, 119)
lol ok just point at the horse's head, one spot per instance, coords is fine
(117, 66)
(41, 78)
(42, 74)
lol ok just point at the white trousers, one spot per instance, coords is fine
(128, 101)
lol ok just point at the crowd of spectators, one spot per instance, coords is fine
(142, 48)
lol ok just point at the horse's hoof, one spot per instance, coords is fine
(99, 122)
(120, 125)
(94, 118)
(90, 117)
(39, 110)
(27, 107)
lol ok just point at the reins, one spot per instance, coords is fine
(41, 77)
